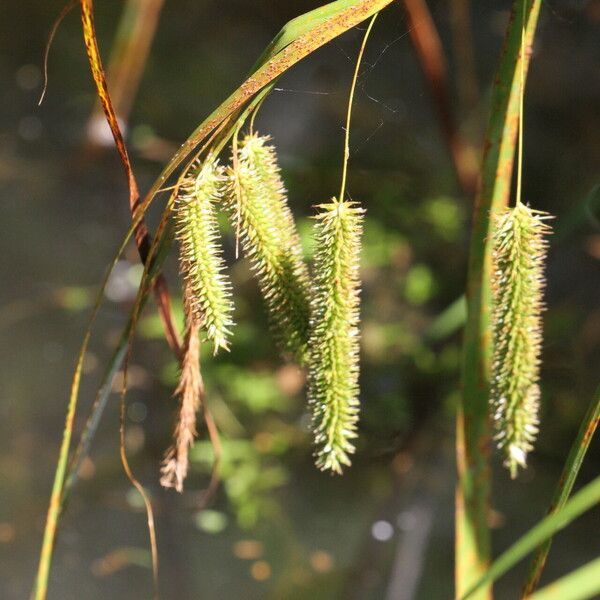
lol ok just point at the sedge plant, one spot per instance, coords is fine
(519, 248)
(314, 309)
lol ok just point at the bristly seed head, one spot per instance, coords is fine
(201, 259)
(334, 340)
(261, 216)
(519, 253)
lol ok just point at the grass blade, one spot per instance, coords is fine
(142, 237)
(299, 26)
(580, 584)
(54, 508)
(128, 57)
(583, 500)
(57, 497)
(105, 389)
(565, 486)
(472, 436)
(327, 23)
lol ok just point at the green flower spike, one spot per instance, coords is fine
(519, 253)
(200, 254)
(334, 340)
(262, 218)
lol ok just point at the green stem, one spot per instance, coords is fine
(582, 501)
(565, 486)
(350, 104)
(521, 110)
(578, 585)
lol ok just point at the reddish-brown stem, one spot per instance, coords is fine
(430, 53)
(464, 55)
(142, 237)
(128, 57)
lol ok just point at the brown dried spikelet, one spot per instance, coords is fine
(190, 390)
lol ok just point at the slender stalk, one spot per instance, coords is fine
(137, 485)
(56, 497)
(578, 585)
(582, 501)
(472, 540)
(521, 111)
(350, 105)
(565, 486)
(63, 13)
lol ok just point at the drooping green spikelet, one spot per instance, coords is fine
(265, 225)
(334, 340)
(519, 252)
(200, 254)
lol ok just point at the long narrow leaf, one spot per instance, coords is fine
(346, 15)
(142, 236)
(299, 26)
(54, 508)
(57, 494)
(104, 391)
(581, 584)
(565, 486)
(472, 437)
(583, 500)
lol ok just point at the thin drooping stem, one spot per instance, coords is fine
(148, 277)
(63, 13)
(138, 486)
(350, 104)
(521, 112)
